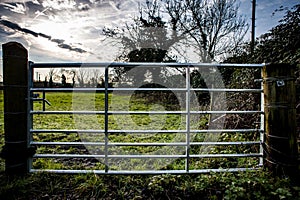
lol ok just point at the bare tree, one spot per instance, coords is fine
(53, 75)
(82, 76)
(213, 25)
(95, 78)
(210, 27)
(69, 77)
(147, 31)
(73, 72)
(147, 39)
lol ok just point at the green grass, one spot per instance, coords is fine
(243, 185)
(95, 101)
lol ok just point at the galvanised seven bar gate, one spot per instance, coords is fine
(154, 118)
(113, 133)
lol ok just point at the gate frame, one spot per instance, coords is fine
(18, 151)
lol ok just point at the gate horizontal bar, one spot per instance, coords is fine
(138, 64)
(65, 131)
(143, 112)
(226, 155)
(225, 90)
(142, 89)
(145, 131)
(142, 144)
(143, 156)
(145, 172)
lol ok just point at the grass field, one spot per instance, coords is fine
(121, 125)
(258, 184)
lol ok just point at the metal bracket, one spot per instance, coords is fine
(35, 97)
(258, 80)
(41, 99)
(280, 83)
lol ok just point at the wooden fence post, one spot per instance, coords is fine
(281, 151)
(15, 79)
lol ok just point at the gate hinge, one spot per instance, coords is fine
(13, 152)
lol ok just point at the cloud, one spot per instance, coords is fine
(59, 4)
(45, 36)
(58, 29)
(16, 27)
(60, 42)
(15, 7)
(66, 46)
(83, 7)
(35, 2)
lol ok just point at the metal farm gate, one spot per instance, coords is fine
(152, 118)
(107, 139)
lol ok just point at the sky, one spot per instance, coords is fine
(71, 30)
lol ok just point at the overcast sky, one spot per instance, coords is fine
(59, 30)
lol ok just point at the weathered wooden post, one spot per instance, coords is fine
(15, 71)
(281, 151)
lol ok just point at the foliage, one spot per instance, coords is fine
(279, 45)
(242, 185)
(282, 43)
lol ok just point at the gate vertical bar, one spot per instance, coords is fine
(188, 110)
(106, 119)
(29, 109)
(44, 102)
(262, 120)
(15, 68)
